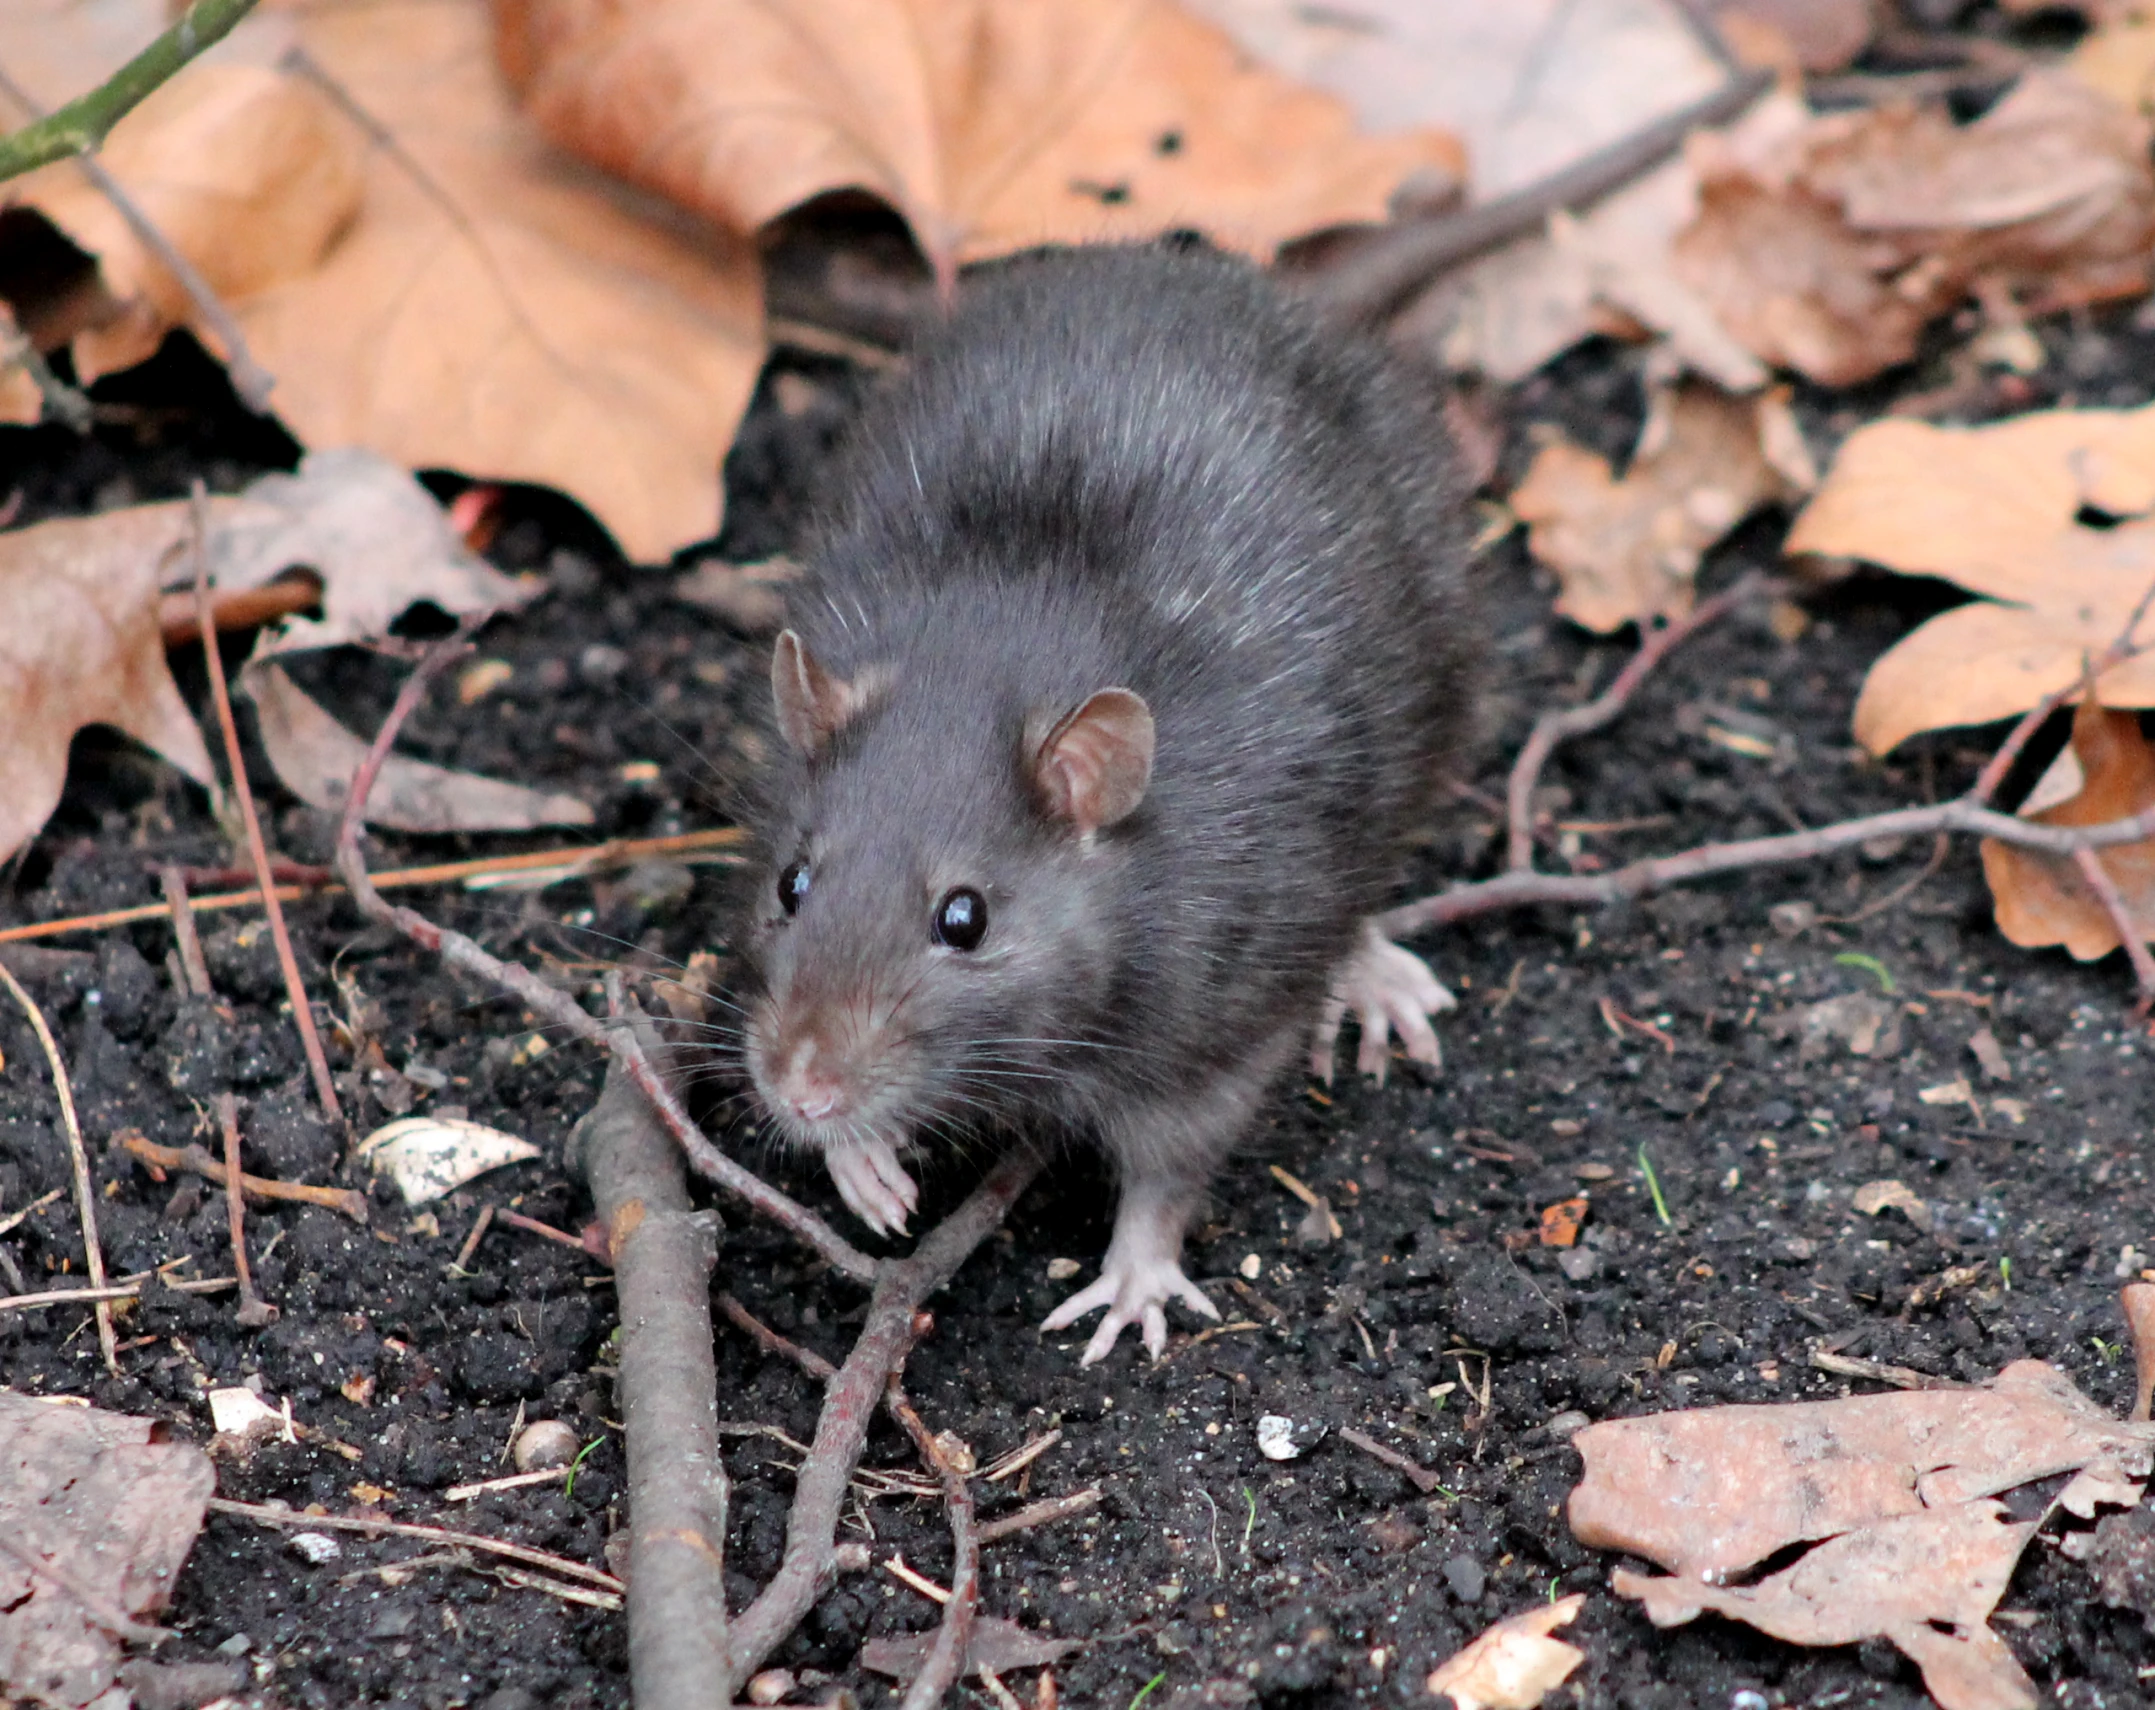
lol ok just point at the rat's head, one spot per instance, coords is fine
(934, 918)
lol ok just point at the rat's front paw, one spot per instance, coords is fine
(1389, 988)
(873, 1183)
(1134, 1291)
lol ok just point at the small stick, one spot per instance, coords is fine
(2117, 653)
(466, 1253)
(236, 608)
(532, 1226)
(511, 1481)
(193, 967)
(2097, 878)
(198, 1162)
(1022, 1456)
(295, 988)
(131, 1290)
(567, 1569)
(907, 1575)
(769, 1340)
(1420, 1477)
(1038, 1514)
(1878, 1371)
(254, 1311)
(1555, 727)
(31, 1210)
(945, 1661)
(549, 864)
(79, 1158)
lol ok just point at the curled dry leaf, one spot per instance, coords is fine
(428, 1156)
(80, 645)
(1826, 244)
(1626, 550)
(2050, 516)
(994, 1644)
(989, 125)
(1895, 1493)
(112, 1510)
(1513, 1665)
(316, 758)
(2042, 899)
(413, 264)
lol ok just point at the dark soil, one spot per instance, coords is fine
(1434, 1322)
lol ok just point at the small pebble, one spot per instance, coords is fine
(1749, 1698)
(1793, 919)
(1251, 1267)
(1465, 1577)
(772, 1686)
(544, 1443)
(1565, 1423)
(1276, 1438)
(1062, 1270)
(1580, 1264)
(316, 1549)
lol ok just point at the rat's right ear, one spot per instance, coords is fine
(1094, 767)
(813, 705)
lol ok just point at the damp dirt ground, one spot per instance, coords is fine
(1589, 1049)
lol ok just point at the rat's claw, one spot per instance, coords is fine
(1134, 1292)
(1389, 989)
(873, 1184)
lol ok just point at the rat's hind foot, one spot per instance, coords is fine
(1134, 1291)
(873, 1183)
(1388, 988)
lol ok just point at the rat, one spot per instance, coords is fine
(1133, 648)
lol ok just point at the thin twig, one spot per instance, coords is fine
(249, 379)
(68, 404)
(2097, 878)
(945, 1660)
(131, 1289)
(1377, 277)
(1419, 1476)
(310, 1040)
(194, 968)
(807, 1567)
(84, 122)
(567, 1569)
(1038, 1514)
(1659, 873)
(79, 1158)
(466, 1253)
(192, 1158)
(254, 1311)
(769, 1340)
(1555, 727)
(534, 867)
(546, 1231)
(2126, 647)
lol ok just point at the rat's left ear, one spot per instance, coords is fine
(814, 705)
(1092, 769)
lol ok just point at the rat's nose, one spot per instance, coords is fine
(810, 1091)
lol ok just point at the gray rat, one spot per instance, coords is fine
(1131, 653)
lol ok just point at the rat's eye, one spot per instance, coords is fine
(961, 919)
(793, 887)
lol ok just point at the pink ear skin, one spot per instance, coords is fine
(813, 705)
(1093, 768)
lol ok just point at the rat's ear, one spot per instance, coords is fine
(813, 705)
(1092, 769)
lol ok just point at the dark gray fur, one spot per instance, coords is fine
(1138, 467)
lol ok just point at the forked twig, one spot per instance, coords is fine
(2098, 880)
(254, 1311)
(945, 1660)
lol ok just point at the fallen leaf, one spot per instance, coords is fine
(1827, 244)
(1808, 35)
(239, 1412)
(1560, 1223)
(80, 645)
(1874, 1197)
(2042, 899)
(316, 758)
(376, 539)
(995, 1644)
(112, 1510)
(428, 1156)
(1894, 1491)
(2047, 516)
(431, 280)
(1513, 1665)
(1627, 550)
(989, 125)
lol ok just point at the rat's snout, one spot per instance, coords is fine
(806, 1083)
(816, 1073)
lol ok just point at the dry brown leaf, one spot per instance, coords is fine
(374, 537)
(994, 1644)
(2051, 516)
(1513, 1665)
(434, 282)
(989, 125)
(1826, 246)
(316, 758)
(80, 645)
(1808, 35)
(112, 1511)
(2042, 899)
(1627, 550)
(1893, 1490)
